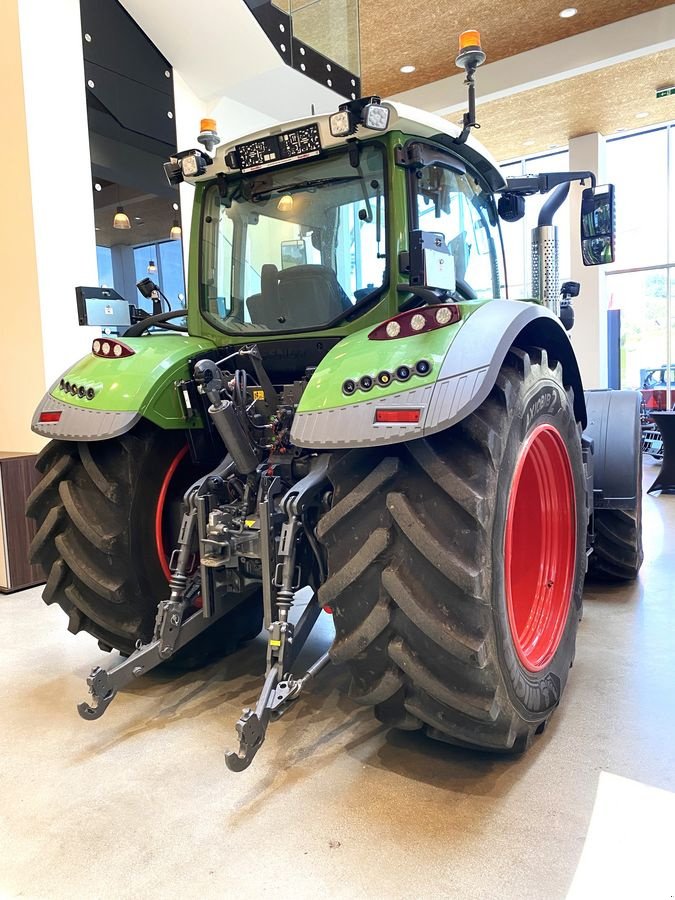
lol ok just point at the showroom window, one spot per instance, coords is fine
(641, 282)
(517, 235)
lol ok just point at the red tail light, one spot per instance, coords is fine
(398, 416)
(108, 348)
(417, 321)
(49, 416)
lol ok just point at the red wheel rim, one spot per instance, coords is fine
(540, 547)
(159, 511)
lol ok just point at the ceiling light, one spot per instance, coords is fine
(528, 143)
(619, 130)
(97, 186)
(121, 219)
(176, 231)
(553, 146)
(175, 206)
(641, 115)
(285, 203)
(568, 12)
(138, 219)
(152, 266)
(407, 70)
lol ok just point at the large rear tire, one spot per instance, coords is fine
(108, 514)
(456, 565)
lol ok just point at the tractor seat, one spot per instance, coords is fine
(300, 297)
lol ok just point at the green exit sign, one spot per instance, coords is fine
(665, 92)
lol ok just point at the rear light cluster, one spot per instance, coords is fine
(110, 349)
(416, 321)
(77, 390)
(384, 379)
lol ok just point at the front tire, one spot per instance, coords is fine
(456, 565)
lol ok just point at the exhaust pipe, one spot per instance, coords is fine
(545, 265)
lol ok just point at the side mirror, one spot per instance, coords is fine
(597, 225)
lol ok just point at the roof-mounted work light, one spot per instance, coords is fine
(368, 111)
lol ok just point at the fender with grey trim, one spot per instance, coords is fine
(614, 429)
(466, 377)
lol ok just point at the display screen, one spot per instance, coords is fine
(277, 148)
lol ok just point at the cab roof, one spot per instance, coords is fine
(403, 118)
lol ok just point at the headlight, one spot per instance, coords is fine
(376, 117)
(341, 124)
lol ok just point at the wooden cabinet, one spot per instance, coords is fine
(18, 477)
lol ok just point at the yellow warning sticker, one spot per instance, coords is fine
(275, 643)
(258, 395)
(249, 523)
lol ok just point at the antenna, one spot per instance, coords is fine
(470, 56)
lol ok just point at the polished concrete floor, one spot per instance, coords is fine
(140, 804)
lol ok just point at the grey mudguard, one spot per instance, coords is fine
(77, 424)
(614, 428)
(464, 381)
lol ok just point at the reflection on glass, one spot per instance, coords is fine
(597, 251)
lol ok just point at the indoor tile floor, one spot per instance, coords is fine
(140, 803)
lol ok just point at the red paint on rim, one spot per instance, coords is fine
(159, 511)
(540, 547)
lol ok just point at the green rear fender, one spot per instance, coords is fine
(125, 390)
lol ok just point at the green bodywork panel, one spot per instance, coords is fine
(144, 382)
(141, 383)
(356, 356)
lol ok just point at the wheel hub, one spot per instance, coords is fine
(540, 547)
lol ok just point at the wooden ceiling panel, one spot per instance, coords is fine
(424, 34)
(606, 100)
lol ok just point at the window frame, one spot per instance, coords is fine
(420, 154)
(363, 305)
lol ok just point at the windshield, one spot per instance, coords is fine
(294, 248)
(455, 205)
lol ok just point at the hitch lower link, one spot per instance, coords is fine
(285, 639)
(170, 632)
(173, 631)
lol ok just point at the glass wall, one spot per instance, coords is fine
(640, 282)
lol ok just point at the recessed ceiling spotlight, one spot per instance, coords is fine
(528, 143)
(97, 186)
(568, 12)
(641, 115)
(407, 70)
(619, 130)
(553, 146)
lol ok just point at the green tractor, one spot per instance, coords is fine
(349, 404)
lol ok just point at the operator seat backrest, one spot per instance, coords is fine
(265, 308)
(311, 294)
